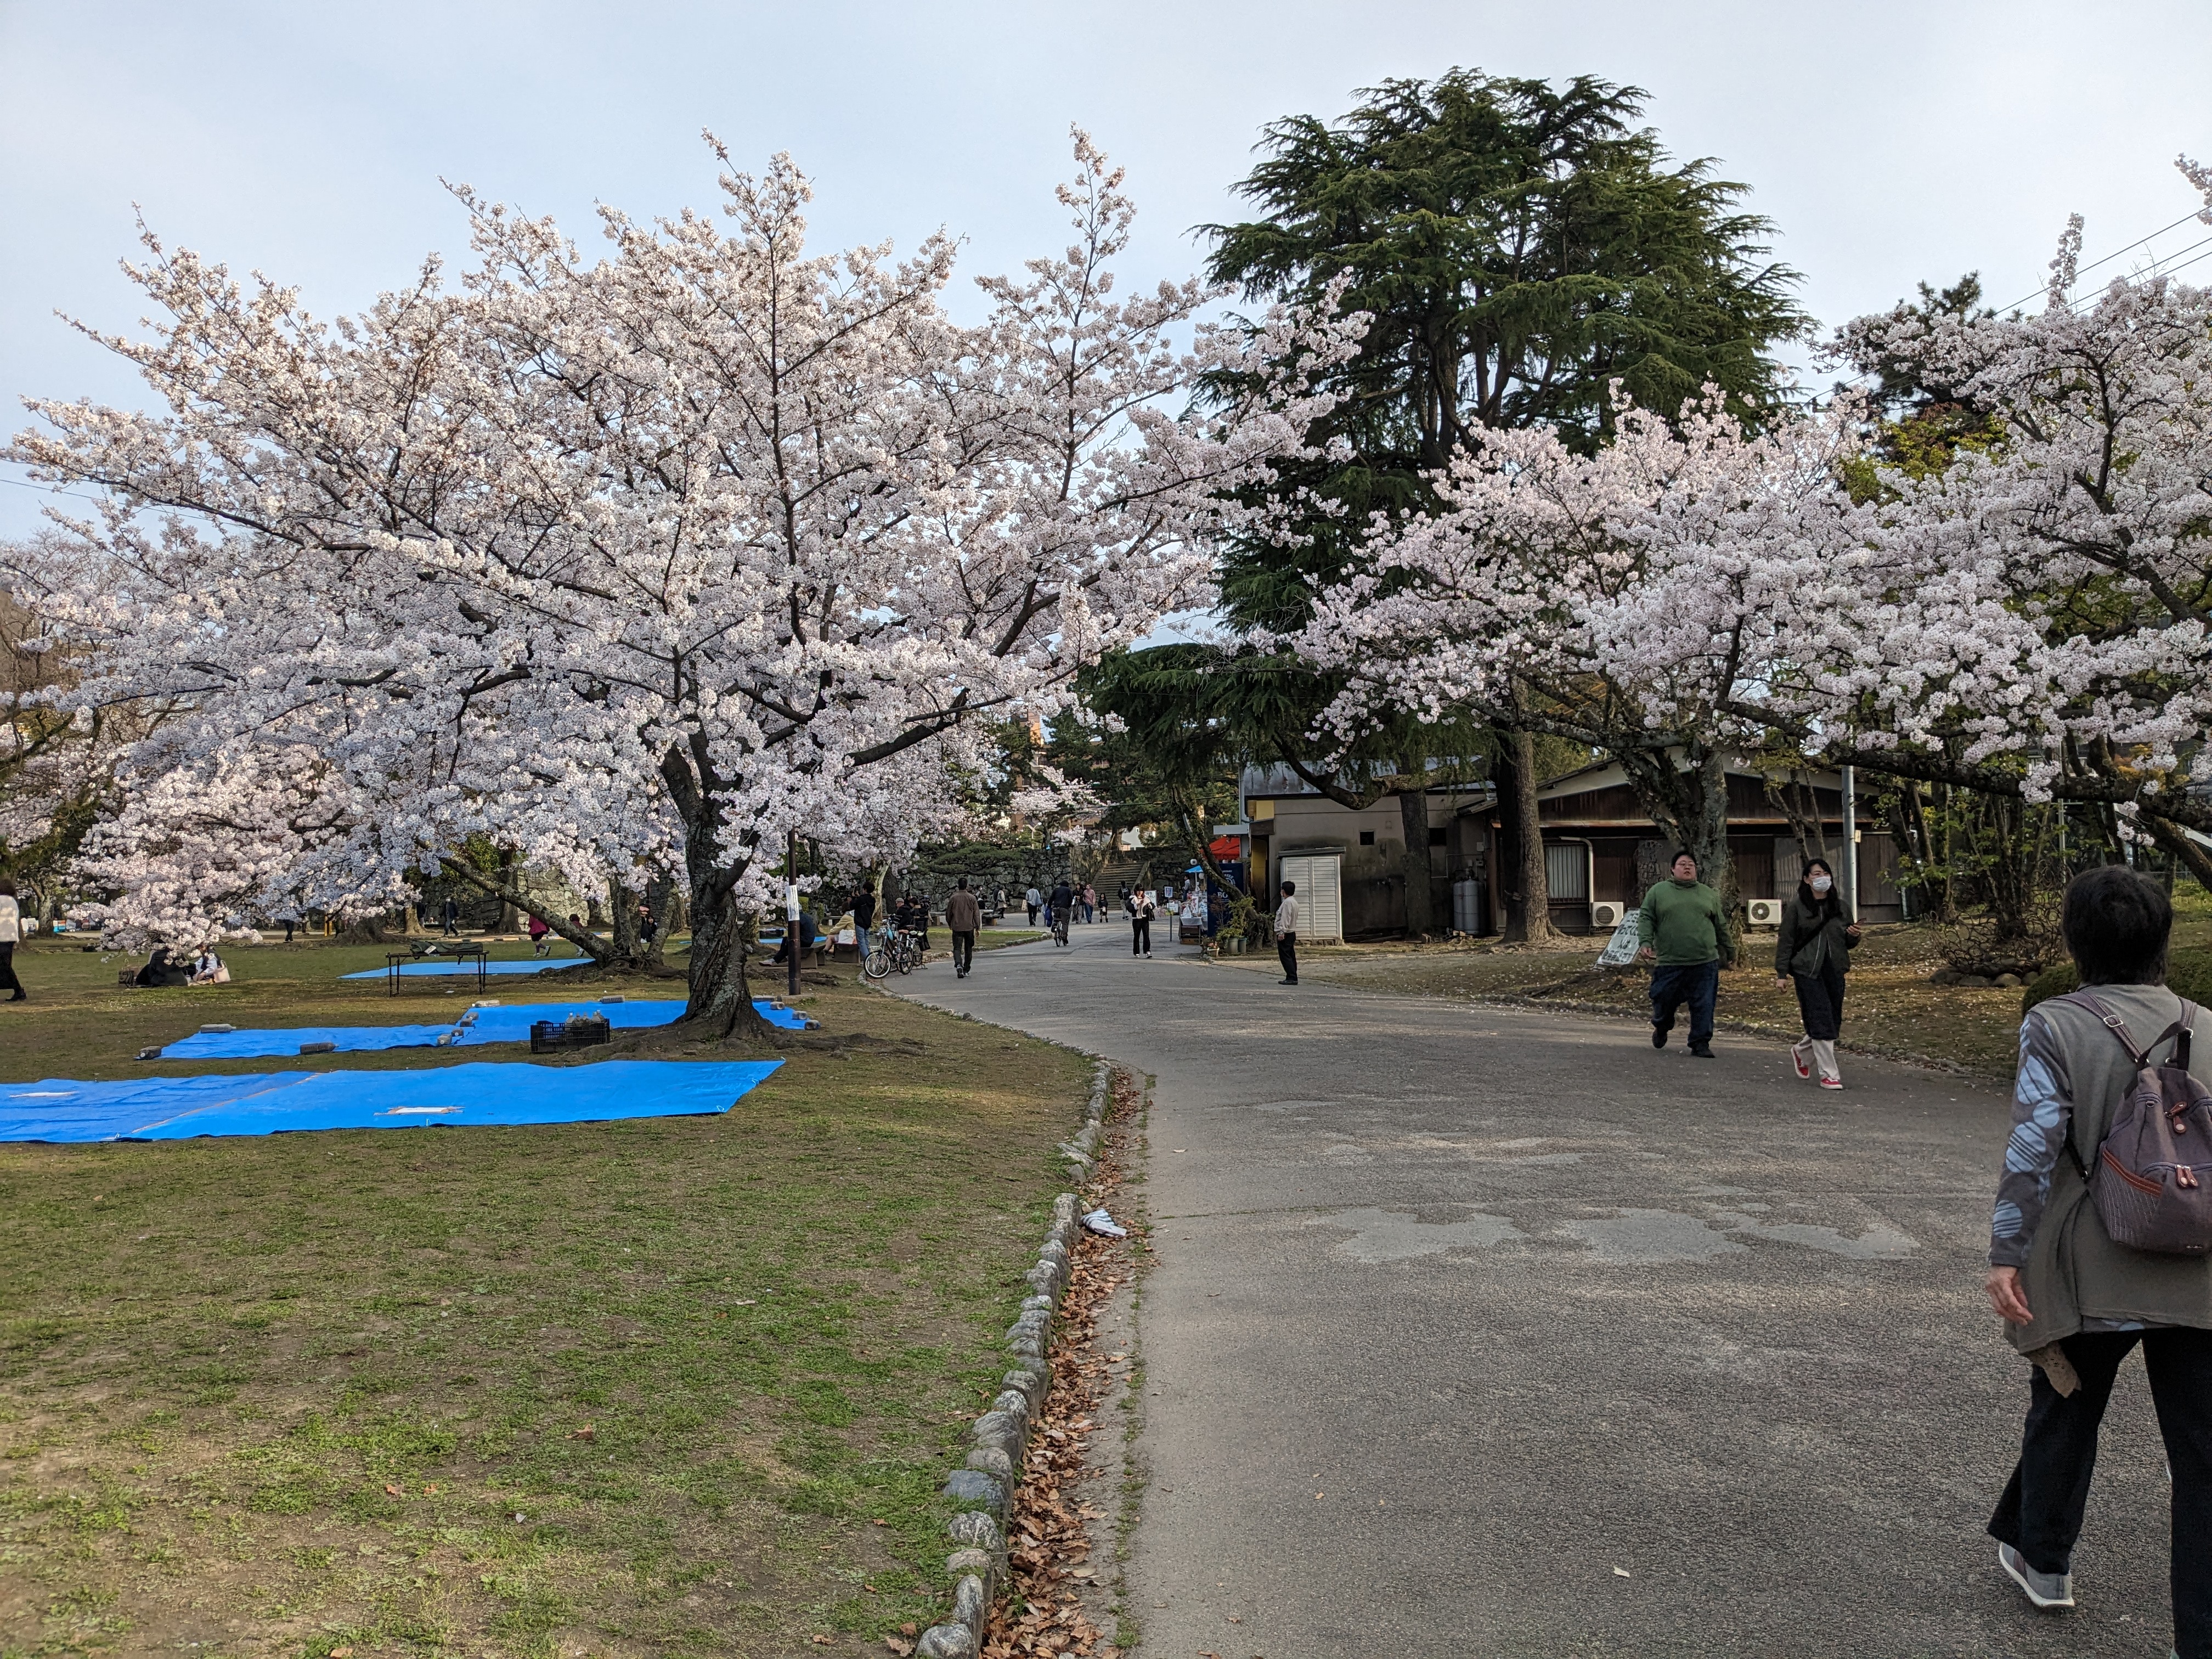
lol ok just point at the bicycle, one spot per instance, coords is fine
(898, 950)
(1059, 926)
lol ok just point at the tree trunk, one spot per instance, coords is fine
(666, 900)
(1522, 881)
(1413, 817)
(621, 921)
(510, 919)
(721, 1000)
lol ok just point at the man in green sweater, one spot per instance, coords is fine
(1685, 932)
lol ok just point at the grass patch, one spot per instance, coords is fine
(642, 1388)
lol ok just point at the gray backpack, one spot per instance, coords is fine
(2150, 1183)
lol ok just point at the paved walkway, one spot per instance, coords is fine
(1482, 1331)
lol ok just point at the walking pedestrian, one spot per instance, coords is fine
(1139, 906)
(538, 930)
(2073, 1301)
(1684, 933)
(965, 918)
(11, 934)
(1286, 931)
(1035, 900)
(1814, 948)
(1090, 902)
(449, 914)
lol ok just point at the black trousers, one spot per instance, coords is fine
(1140, 936)
(1821, 1001)
(2041, 1513)
(8, 982)
(1286, 949)
(964, 952)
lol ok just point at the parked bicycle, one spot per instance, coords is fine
(897, 950)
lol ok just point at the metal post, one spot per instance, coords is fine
(791, 909)
(1850, 870)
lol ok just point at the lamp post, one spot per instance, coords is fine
(1850, 871)
(791, 909)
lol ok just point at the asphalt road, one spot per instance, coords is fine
(1482, 1331)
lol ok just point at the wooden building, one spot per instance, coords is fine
(1600, 848)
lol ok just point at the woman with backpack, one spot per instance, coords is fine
(2100, 1240)
(1814, 948)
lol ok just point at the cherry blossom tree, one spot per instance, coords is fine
(1638, 600)
(668, 556)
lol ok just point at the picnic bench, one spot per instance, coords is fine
(433, 951)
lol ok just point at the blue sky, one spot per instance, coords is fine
(1891, 142)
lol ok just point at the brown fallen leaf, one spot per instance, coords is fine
(589, 1432)
(341, 1653)
(431, 1492)
(897, 1646)
(910, 1630)
(391, 1490)
(821, 1641)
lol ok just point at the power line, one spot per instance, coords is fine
(2108, 257)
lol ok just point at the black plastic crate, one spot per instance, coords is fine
(552, 1036)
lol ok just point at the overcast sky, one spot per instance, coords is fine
(1890, 142)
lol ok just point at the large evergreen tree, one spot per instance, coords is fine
(1522, 247)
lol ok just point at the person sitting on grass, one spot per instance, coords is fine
(162, 968)
(209, 969)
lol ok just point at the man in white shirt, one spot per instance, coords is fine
(11, 930)
(1287, 932)
(1035, 900)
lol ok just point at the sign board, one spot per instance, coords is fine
(1620, 949)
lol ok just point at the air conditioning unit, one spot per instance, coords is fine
(1765, 913)
(1606, 914)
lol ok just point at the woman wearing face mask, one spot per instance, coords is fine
(1814, 949)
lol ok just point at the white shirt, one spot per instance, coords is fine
(1287, 916)
(11, 921)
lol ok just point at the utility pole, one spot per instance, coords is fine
(1850, 871)
(791, 908)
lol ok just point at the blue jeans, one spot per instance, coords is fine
(1697, 984)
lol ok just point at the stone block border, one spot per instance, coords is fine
(997, 1439)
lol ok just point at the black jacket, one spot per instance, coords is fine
(1809, 938)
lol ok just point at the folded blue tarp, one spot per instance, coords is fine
(505, 1023)
(178, 1109)
(435, 966)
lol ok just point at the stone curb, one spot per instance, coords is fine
(998, 1438)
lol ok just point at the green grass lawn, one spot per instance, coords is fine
(676, 1386)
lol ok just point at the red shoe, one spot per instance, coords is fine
(1797, 1058)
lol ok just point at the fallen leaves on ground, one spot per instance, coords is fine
(1048, 1539)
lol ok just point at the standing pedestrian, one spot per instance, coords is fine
(1287, 932)
(864, 916)
(449, 914)
(1035, 900)
(2075, 1302)
(1814, 948)
(965, 918)
(1139, 906)
(1684, 933)
(11, 934)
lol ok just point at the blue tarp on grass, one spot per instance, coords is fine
(504, 1023)
(275, 1103)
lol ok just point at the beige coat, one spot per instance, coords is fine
(2074, 1269)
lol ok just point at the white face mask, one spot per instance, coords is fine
(1821, 884)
